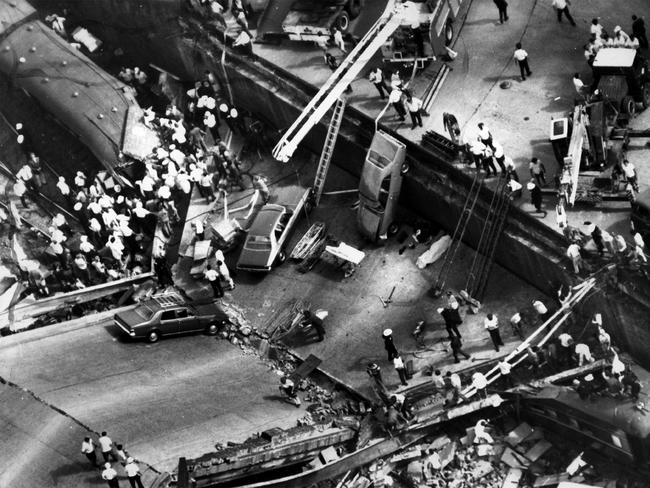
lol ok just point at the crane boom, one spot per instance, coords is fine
(333, 88)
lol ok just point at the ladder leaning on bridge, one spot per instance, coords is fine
(339, 80)
(490, 235)
(459, 232)
(328, 150)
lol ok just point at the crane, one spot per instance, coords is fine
(333, 88)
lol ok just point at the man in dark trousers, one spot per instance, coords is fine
(389, 345)
(457, 348)
(536, 197)
(315, 321)
(638, 29)
(452, 320)
(521, 56)
(502, 5)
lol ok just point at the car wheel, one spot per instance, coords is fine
(628, 106)
(393, 229)
(343, 22)
(212, 329)
(405, 168)
(354, 8)
(281, 258)
(153, 336)
(449, 33)
(645, 93)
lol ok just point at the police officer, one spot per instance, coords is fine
(110, 476)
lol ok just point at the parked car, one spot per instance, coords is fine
(380, 185)
(267, 236)
(170, 314)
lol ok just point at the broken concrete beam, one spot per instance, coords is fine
(538, 450)
(514, 460)
(447, 454)
(550, 480)
(410, 453)
(438, 443)
(519, 434)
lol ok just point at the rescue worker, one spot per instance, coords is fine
(88, 449)
(389, 345)
(133, 473)
(288, 387)
(110, 476)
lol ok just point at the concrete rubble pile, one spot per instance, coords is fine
(521, 458)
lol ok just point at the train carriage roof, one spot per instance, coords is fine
(88, 101)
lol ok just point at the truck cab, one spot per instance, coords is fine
(621, 75)
(313, 20)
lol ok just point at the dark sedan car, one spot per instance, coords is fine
(170, 314)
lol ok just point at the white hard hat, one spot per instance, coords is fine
(107, 465)
(387, 332)
(440, 310)
(530, 185)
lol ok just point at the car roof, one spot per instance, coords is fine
(266, 220)
(614, 57)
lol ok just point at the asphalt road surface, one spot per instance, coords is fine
(174, 398)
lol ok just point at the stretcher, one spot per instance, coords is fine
(349, 257)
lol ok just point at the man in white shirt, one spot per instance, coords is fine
(377, 78)
(491, 324)
(578, 84)
(596, 28)
(401, 369)
(562, 7)
(414, 105)
(480, 433)
(106, 446)
(133, 473)
(110, 476)
(88, 448)
(479, 383)
(85, 246)
(621, 39)
(583, 354)
(573, 252)
(395, 98)
(63, 187)
(212, 276)
(521, 56)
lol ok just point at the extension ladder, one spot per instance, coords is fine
(328, 150)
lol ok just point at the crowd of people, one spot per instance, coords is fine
(115, 219)
(600, 38)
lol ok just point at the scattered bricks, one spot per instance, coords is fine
(438, 443)
(518, 435)
(245, 330)
(482, 468)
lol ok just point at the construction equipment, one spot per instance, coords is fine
(459, 232)
(307, 20)
(490, 236)
(389, 299)
(328, 150)
(589, 143)
(338, 81)
(621, 75)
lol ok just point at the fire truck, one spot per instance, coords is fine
(306, 20)
(426, 32)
